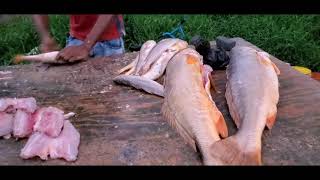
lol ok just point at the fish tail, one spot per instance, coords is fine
(271, 119)
(229, 152)
(18, 58)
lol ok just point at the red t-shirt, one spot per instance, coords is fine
(81, 25)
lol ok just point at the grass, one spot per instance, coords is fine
(292, 38)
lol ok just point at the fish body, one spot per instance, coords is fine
(140, 59)
(252, 94)
(187, 107)
(143, 54)
(157, 52)
(141, 83)
(49, 57)
(158, 67)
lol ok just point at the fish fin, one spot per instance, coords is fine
(171, 119)
(222, 126)
(229, 152)
(129, 66)
(271, 119)
(130, 71)
(276, 68)
(265, 59)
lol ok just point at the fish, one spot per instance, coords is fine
(252, 94)
(157, 52)
(188, 108)
(158, 67)
(143, 54)
(49, 57)
(138, 82)
(66, 144)
(136, 64)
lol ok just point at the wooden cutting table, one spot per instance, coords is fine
(123, 126)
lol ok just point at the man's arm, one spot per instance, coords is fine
(81, 52)
(102, 22)
(42, 25)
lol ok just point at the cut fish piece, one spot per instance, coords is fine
(66, 144)
(27, 104)
(22, 124)
(37, 145)
(6, 124)
(49, 120)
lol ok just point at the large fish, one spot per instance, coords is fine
(188, 108)
(252, 94)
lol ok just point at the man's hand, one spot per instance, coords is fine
(48, 45)
(74, 53)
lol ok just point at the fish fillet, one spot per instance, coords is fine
(6, 124)
(64, 146)
(22, 124)
(27, 104)
(187, 106)
(49, 120)
(252, 94)
(37, 145)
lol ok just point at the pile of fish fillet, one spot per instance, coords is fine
(48, 129)
(252, 95)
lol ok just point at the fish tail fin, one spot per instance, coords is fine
(18, 58)
(229, 152)
(271, 119)
(130, 71)
(130, 67)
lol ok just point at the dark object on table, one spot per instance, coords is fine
(225, 43)
(216, 57)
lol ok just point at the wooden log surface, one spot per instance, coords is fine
(123, 126)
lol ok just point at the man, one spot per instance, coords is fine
(89, 35)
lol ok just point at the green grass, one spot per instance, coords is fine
(292, 38)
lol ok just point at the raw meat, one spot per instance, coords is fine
(66, 145)
(37, 145)
(22, 124)
(6, 123)
(49, 120)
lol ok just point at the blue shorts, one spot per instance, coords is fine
(101, 48)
